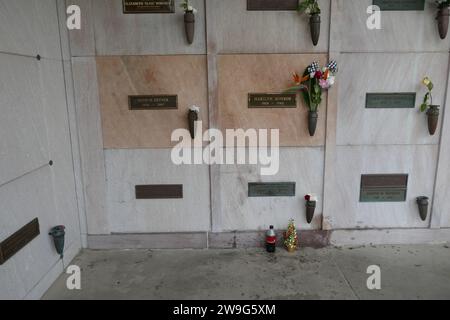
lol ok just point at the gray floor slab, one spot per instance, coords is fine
(407, 272)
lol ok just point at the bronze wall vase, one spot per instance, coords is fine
(433, 118)
(310, 209)
(314, 23)
(312, 122)
(58, 234)
(442, 18)
(189, 25)
(192, 118)
(422, 203)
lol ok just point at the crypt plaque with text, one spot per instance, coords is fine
(17, 241)
(272, 5)
(147, 6)
(384, 187)
(400, 5)
(271, 189)
(390, 100)
(154, 102)
(159, 191)
(272, 100)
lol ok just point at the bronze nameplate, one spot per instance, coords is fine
(18, 240)
(271, 189)
(154, 102)
(272, 100)
(384, 188)
(163, 191)
(146, 6)
(390, 100)
(400, 5)
(272, 5)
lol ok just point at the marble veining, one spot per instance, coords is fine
(30, 27)
(419, 162)
(239, 75)
(401, 31)
(234, 210)
(120, 77)
(23, 143)
(130, 34)
(242, 31)
(383, 73)
(127, 168)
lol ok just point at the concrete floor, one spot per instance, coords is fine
(408, 272)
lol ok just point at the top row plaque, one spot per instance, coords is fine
(168, 6)
(291, 5)
(147, 6)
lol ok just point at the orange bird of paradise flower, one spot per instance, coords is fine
(299, 80)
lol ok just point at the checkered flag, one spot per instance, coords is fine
(332, 65)
(314, 67)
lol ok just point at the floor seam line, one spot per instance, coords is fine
(345, 278)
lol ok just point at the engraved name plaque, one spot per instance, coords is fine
(384, 187)
(156, 102)
(147, 6)
(271, 189)
(159, 191)
(272, 5)
(18, 240)
(272, 100)
(390, 100)
(400, 5)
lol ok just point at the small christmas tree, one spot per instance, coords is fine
(290, 237)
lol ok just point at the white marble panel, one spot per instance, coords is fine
(11, 282)
(128, 168)
(52, 275)
(82, 42)
(29, 27)
(35, 129)
(419, 162)
(401, 31)
(23, 143)
(53, 94)
(75, 144)
(91, 143)
(117, 33)
(233, 29)
(382, 73)
(234, 210)
(441, 204)
(63, 30)
(389, 237)
(47, 193)
(20, 202)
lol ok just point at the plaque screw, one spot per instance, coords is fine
(38, 57)
(50, 163)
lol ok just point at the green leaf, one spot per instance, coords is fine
(316, 88)
(302, 7)
(306, 98)
(425, 98)
(423, 107)
(292, 89)
(309, 6)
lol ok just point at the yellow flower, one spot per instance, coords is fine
(426, 81)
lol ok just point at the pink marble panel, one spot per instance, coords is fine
(239, 75)
(120, 77)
